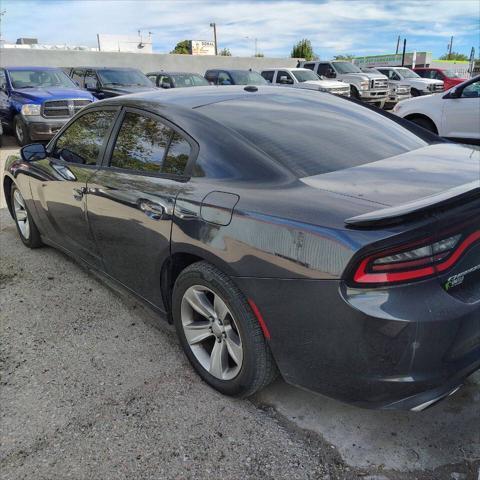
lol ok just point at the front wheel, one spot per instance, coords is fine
(425, 123)
(415, 93)
(26, 227)
(21, 131)
(219, 332)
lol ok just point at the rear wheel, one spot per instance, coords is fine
(219, 332)
(26, 227)
(425, 123)
(21, 132)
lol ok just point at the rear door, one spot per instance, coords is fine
(132, 197)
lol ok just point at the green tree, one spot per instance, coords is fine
(259, 54)
(303, 49)
(225, 52)
(454, 56)
(347, 57)
(182, 48)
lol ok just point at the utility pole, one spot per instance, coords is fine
(403, 53)
(2, 13)
(214, 26)
(450, 48)
(398, 45)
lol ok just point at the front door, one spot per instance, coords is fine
(131, 200)
(59, 191)
(461, 116)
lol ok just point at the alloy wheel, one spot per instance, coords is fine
(21, 215)
(211, 332)
(19, 131)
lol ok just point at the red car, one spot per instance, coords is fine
(449, 77)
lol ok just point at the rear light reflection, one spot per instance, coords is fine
(411, 262)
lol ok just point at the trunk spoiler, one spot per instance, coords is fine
(391, 215)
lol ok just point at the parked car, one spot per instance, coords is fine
(368, 87)
(176, 79)
(418, 85)
(234, 77)
(454, 114)
(448, 77)
(35, 102)
(304, 78)
(350, 271)
(107, 82)
(396, 92)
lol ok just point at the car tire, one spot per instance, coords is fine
(354, 93)
(237, 360)
(415, 93)
(21, 131)
(26, 227)
(425, 123)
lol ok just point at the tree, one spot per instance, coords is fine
(347, 57)
(259, 54)
(303, 49)
(454, 56)
(182, 48)
(225, 52)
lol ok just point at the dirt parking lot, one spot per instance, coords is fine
(94, 386)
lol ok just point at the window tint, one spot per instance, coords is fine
(211, 77)
(283, 73)
(177, 155)
(224, 79)
(312, 134)
(141, 145)
(268, 75)
(324, 69)
(310, 66)
(82, 141)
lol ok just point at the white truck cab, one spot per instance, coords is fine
(418, 85)
(305, 79)
(368, 87)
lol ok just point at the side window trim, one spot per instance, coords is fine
(53, 143)
(108, 152)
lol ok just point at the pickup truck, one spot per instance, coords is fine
(304, 78)
(418, 85)
(107, 82)
(35, 102)
(368, 87)
(448, 77)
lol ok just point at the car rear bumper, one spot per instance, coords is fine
(40, 128)
(397, 348)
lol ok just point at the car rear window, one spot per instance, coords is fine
(312, 133)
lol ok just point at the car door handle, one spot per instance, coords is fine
(153, 210)
(78, 193)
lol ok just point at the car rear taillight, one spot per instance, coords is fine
(413, 261)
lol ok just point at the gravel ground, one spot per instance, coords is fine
(94, 386)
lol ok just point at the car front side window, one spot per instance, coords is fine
(471, 91)
(83, 140)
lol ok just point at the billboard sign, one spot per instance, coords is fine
(202, 47)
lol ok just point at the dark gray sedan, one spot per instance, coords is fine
(279, 230)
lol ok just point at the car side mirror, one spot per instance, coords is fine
(454, 93)
(284, 80)
(33, 152)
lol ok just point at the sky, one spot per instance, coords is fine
(359, 27)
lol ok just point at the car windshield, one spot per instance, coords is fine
(312, 134)
(40, 79)
(124, 77)
(346, 67)
(407, 73)
(246, 77)
(451, 74)
(188, 80)
(305, 75)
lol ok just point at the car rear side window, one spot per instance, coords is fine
(82, 141)
(142, 145)
(312, 134)
(268, 75)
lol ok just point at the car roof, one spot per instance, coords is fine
(103, 68)
(31, 68)
(231, 70)
(169, 72)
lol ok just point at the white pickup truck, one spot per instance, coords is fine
(368, 87)
(418, 85)
(304, 78)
